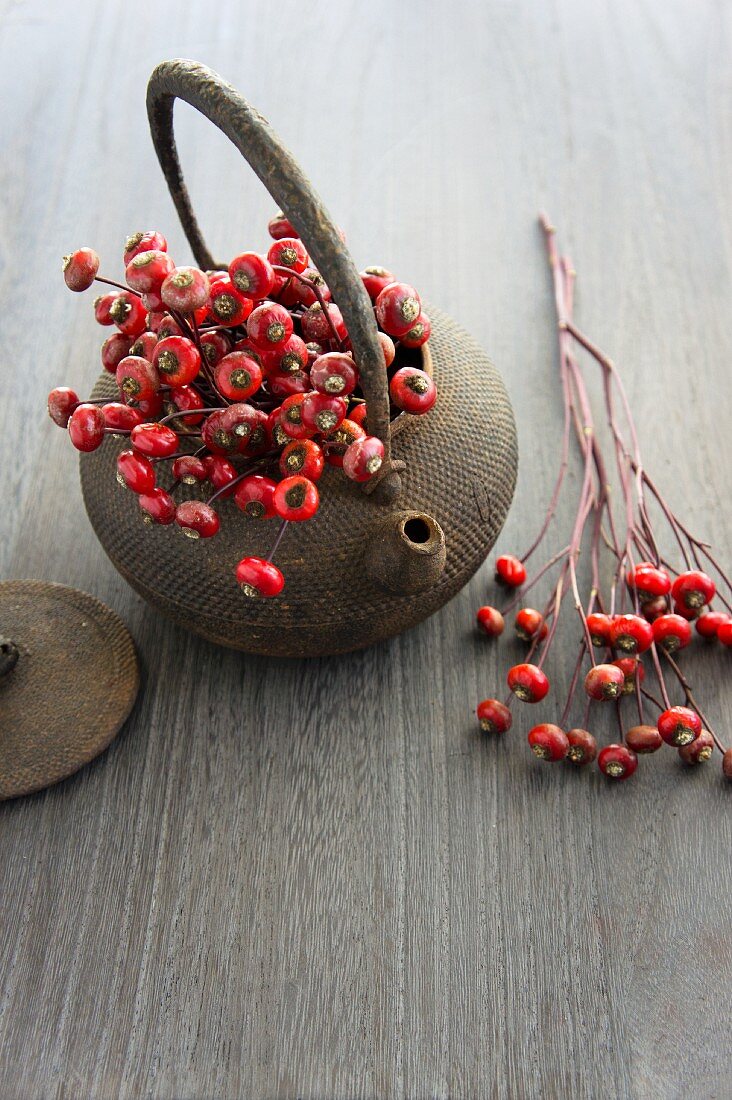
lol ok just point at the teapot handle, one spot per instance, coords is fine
(252, 135)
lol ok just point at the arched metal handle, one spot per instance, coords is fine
(252, 135)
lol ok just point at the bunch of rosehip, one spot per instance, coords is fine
(243, 379)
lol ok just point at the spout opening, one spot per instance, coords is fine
(417, 530)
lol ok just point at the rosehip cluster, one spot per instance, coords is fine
(243, 378)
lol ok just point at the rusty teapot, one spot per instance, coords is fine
(378, 558)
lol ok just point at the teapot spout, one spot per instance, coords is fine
(407, 553)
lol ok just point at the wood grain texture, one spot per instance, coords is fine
(277, 882)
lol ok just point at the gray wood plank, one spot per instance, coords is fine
(315, 879)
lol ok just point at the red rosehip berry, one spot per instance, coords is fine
(220, 473)
(227, 306)
(218, 437)
(185, 399)
(632, 670)
(238, 376)
(189, 469)
(259, 578)
(418, 334)
(146, 271)
(177, 360)
(279, 226)
(334, 373)
(699, 750)
(290, 419)
(252, 275)
(304, 293)
(672, 632)
(397, 308)
(296, 498)
(643, 739)
(185, 289)
(315, 326)
(375, 279)
(599, 627)
(144, 345)
(651, 609)
(302, 456)
(709, 623)
(258, 440)
(363, 459)
(154, 440)
(114, 350)
(688, 613)
(510, 571)
(529, 623)
(528, 683)
(582, 747)
(255, 496)
(494, 717)
(604, 682)
(693, 589)
(215, 345)
(388, 348)
(412, 390)
(268, 325)
(285, 385)
(617, 761)
(102, 307)
(631, 634)
(157, 506)
(490, 621)
(137, 379)
(149, 241)
(61, 403)
(727, 764)
(288, 252)
(128, 314)
(549, 742)
(150, 407)
(679, 726)
(290, 357)
(135, 472)
(340, 440)
(322, 412)
(80, 269)
(168, 326)
(649, 580)
(196, 519)
(724, 633)
(121, 417)
(358, 414)
(86, 427)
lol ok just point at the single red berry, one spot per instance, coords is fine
(228, 307)
(286, 290)
(529, 623)
(80, 269)
(157, 507)
(189, 469)
(148, 241)
(275, 431)
(150, 407)
(699, 750)
(315, 326)
(257, 577)
(121, 417)
(643, 739)
(290, 418)
(599, 627)
(196, 519)
(185, 289)
(185, 399)
(279, 226)
(363, 459)
(412, 390)
(114, 349)
(288, 252)
(631, 634)
(357, 414)
(220, 472)
(268, 325)
(136, 378)
(632, 669)
(528, 683)
(302, 456)
(168, 326)
(510, 571)
(418, 334)
(215, 345)
(102, 307)
(338, 442)
(727, 764)
(135, 472)
(146, 271)
(61, 403)
(296, 498)
(651, 609)
(582, 747)
(219, 438)
(724, 633)
(255, 496)
(672, 632)
(238, 376)
(693, 589)
(397, 308)
(648, 580)
(258, 440)
(375, 279)
(490, 620)
(177, 360)
(549, 742)
(494, 717)
(154, 305)
(617, 761)
(86, 427)
(334, 373)
(387, 346)
(304, 293)
(154, 440)
(679, 726)
(604, 682)
(322, 412)
(128, 314)
(286, 385)
(252, 275)
(144, 345)
(688, 613)
(240, 419)
(709, 623)
(290, 357)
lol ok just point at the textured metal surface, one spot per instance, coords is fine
(73, 686)
(460, 468)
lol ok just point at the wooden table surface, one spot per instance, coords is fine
(315, 879)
